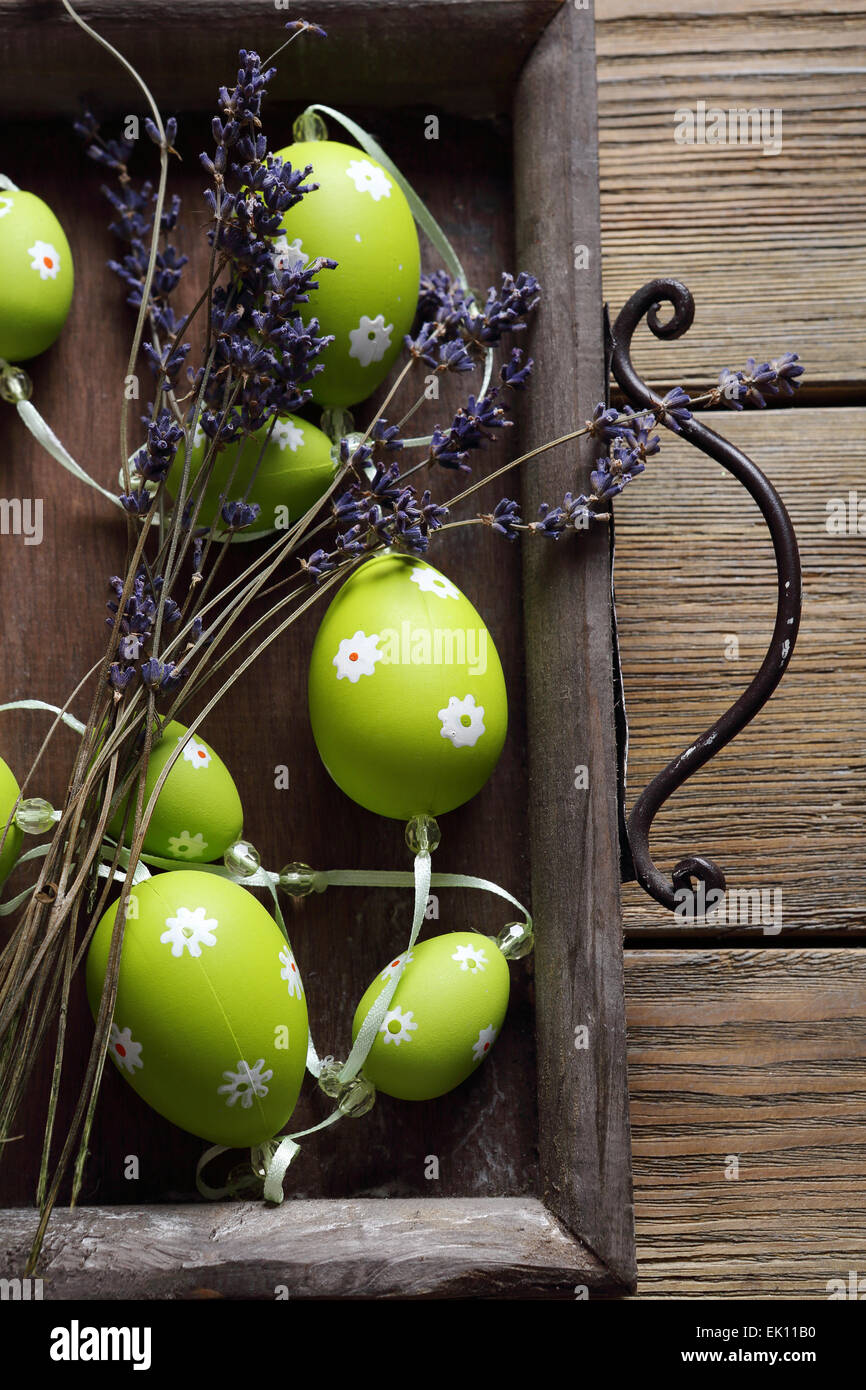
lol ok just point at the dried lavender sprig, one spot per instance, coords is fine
(737, 389)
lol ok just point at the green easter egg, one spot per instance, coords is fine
(35, 273)
(296, 468)
(444, 1017)
(9, 790)
(406, 692)
(210, 1022)
(360, 218)
(198, 813)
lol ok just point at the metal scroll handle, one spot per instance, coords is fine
(647, 301)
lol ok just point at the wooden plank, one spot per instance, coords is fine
(484, 1134)
(773, 247)
(756, 1054)
(782, 807)
(448, 1248)
(583, 1101)
(185, 51)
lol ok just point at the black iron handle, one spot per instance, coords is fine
(647, 301)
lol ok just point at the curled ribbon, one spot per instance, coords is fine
(274, 1159)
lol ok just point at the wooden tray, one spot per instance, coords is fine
(534, 1193)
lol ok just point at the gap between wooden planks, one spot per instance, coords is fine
(758, 1055)
(773, 246)
(784, 806)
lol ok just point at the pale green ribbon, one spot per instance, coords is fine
(426, 221)
(67, 718)
(274, 1158)
(43, 432)
(422, 214)
(44, 435)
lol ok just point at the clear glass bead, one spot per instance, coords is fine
(242, 859)
(515, 940)
(309, 126)
(298, 879)
(423, 834)
(329, 1081)
(35, 816)
(15, 385)
(338, 424)
(356, 1098)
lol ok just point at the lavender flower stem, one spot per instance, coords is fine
(159, 203)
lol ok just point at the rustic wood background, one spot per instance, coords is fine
(752, 1052)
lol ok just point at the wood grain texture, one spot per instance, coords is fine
(773, 247)
(783, 806)
(184, 51)
(485, 1133)
(756, 1054)
(573, 833)
(448, 1248)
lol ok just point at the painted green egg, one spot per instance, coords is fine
(36, 275)
(406, 692)
(296, 468)
(9, 790)
(359, 217)
(446, 1013)
(198, 813)
(210, 1021)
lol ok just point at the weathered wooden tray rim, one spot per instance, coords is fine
(373, 1248)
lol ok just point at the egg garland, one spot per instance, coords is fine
(210, 1020)
(36, 274)
(198, 943)
(9, 793)
(284, 467)
(198, 813)
(406, 692)
(443, 1019)
(359, 217)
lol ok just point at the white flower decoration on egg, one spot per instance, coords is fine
(6, 206)
(395, 965)
(190, 930)
(483, 1043)
(470, 958)
(368, 178)
(195, 752)
(46, 259)
(462, 721)
(125, 1051)
(288, 255)
(397, 1026)
(287, 435)
(246, 1082)
(357, 656)
(291, 974)
(430, 582)
(192, 846)
(370, 340)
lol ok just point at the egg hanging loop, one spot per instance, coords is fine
(309, 126)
